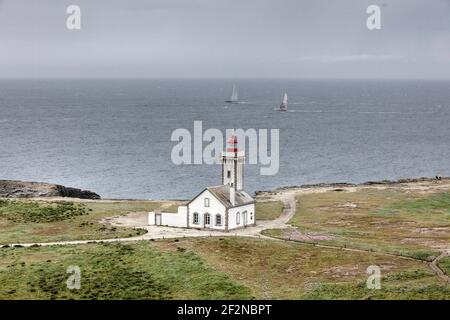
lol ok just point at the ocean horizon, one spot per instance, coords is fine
(112, 136)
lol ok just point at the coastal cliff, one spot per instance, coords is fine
(23, 189)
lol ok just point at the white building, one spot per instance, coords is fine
(225, 207)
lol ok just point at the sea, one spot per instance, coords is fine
(113, 136)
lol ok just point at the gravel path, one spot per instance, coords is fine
(435, 266)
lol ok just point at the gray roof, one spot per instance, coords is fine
(222, 193)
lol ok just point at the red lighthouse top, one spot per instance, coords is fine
(232, 144)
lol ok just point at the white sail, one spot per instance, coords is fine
(284, 103)
(234, 95)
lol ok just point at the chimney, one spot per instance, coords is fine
(232, 195)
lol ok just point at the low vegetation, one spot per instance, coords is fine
(445, 265)
(403, 222)
(386, 224)
(268, 210)
(40, 212)
(290, 270)
(210, 268)
(45, 221)
(112, 271)
(436, 204)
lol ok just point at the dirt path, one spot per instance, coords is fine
(437, 269)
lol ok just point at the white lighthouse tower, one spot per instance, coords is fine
(233, 165)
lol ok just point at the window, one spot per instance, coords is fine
(251, 216)
(206, 202)
(218, 220)
(238, 218)
(207, 219)
(195, 217)
(228, 174)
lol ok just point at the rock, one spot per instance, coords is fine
(23, 189)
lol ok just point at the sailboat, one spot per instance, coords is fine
(284, 103)
(234, 96)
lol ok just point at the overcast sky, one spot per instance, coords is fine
(225, 38)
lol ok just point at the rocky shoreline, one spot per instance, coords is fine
(24, 189)
(346, 184)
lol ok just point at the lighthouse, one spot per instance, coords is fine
(224, 207)
(233, 165)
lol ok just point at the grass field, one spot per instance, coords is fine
(111, 271)
(209, 268)
(395, 221)
(268, 210)
(445, 265)
(43, 221)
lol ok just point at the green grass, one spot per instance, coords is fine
(210, 268)
(397, 221)
(34, 211)
(112, 271)
(407, 223)
(387, 292)
(289, 270)
(268, 210)
(424, 255)
(435, 204)
(445, 265)
(44, 221)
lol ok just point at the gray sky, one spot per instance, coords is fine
(225, 38)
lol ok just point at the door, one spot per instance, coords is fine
(158, 219)
(207, 220)
(244, 218)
